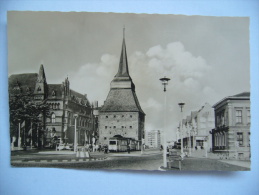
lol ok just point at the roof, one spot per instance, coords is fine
(123, 70)
(194, 114)
(80, 97)
(189, 119)
(121, 100)
(240, 96)
(57, 88)
(23, 81)
(244, 94)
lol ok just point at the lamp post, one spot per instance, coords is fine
(181, 105)
(190, 142)
(164, 83)
(75, 138)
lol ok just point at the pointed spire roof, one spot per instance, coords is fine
(122, 96)
(123, 65)
(41, 76)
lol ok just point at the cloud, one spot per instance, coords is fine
(94, 78)
(188, 81)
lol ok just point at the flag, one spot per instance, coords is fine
(86, 137)
(23, 124)
(30, 131)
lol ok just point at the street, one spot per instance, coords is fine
(149, 160)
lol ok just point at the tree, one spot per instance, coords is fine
(23, 109)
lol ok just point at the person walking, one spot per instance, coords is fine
(128, 149)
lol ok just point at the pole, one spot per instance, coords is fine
(181, 131)
(75, 137)
(164, 156)
(190, 142)
(31, 135)
(19, 133)
(24, 141)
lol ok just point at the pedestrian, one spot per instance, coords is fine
(196, 148)
(161, 147)
(105, 149)
(128, 149)
(100, 148)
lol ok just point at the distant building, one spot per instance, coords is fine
(231, 136)
(63, 103)
(153, 139)
(196, 128)
(121, 113)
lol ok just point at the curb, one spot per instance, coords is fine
(60, 160)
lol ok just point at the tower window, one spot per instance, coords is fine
(39, 89)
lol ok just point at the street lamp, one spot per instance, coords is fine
(164, 82)
(181, 105)
(75, 138)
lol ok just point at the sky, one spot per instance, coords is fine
(206, 58)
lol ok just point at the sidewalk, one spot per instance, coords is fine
(50, 156)
(53, 157)
(202, 154)
(240, 163)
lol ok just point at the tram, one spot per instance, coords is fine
(120, 144)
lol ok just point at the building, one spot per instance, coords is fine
(231, 135)
(64, 104)
(153, 139)
(121, 113)
(196, 128)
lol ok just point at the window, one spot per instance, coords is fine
(39, 89)
(248, 116)
(53, 94)
(238, 116)
(248, 136)
(122, 127)
(106, 116)
(105, 127)
(114, 127)
(114, 116)
(53, 118)
(240, 138)
(130, 127)
(130, 116)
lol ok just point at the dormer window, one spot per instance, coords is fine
(53, 93)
